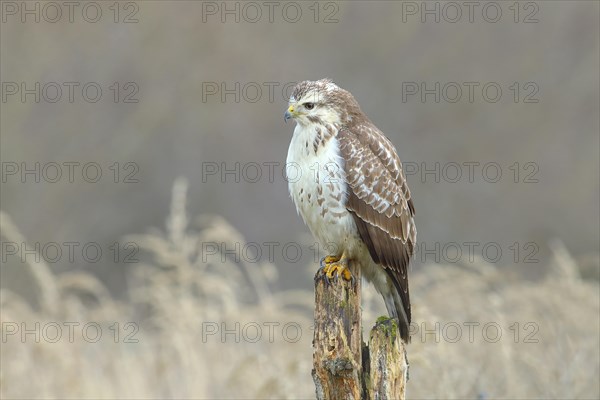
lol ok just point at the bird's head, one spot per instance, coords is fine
(321, 102)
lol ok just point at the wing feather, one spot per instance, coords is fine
(380, 202)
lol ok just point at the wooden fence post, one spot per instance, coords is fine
(343, 366)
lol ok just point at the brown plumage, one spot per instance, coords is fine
(387, 227)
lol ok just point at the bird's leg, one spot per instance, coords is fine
(327, 260)
(333, 267)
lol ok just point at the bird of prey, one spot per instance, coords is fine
(351, 192)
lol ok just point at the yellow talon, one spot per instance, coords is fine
(331, 259)
(346, 274)
(338, 267)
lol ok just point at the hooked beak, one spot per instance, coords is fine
(288, 114)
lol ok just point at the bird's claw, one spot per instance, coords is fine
(324, 266)
(334, 267)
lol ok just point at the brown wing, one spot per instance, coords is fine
(380, 202)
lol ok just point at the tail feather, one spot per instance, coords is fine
(396, 309)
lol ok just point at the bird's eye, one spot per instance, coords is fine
(309, 106)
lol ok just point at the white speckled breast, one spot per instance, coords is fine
(317, 185)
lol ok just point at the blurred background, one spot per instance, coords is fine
(148, 138)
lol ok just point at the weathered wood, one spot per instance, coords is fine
(388, 365)
(343, 366)
(337, 342)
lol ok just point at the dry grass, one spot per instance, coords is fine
(177, 292)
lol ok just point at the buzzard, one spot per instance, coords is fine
(351, 192)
